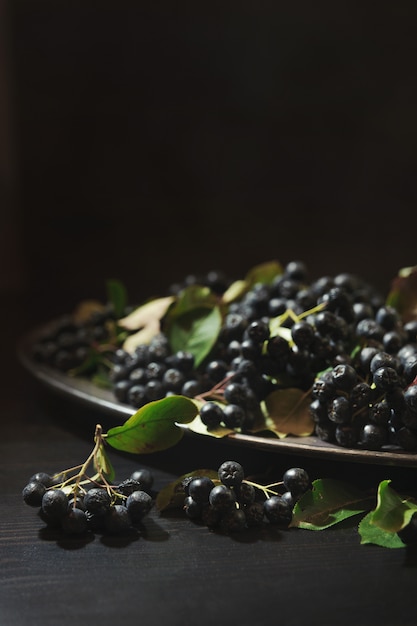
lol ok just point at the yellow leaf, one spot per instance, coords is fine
(147, 313)
(287, 412)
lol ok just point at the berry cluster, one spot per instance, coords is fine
(371, 401)
(76, 508)
(233, 503)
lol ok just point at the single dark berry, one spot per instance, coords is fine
(128, 486)
(136, 395)
(296, 480)
(54, 504)
(222, 498)
(231, 473)
(373, 436)
(216, 370)
(97, 500)
(192, 509)
(144, 477)
(302, 334)
(383, 359)
(339, 410)
(410, 397)
(258, 331)
(233, 416)
(245, 493)
(360, 396)
(154, 390)
(121, 389)
(277, 511)
(344, 377)
(251, 349)
(410, 369)
(138, 504)
(33, 493)
(42, 477)
(211, 414)
(345, 435)
(199, 489)
(385, 378)
(173, 379)
(235, 393)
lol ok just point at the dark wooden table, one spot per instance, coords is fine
(177, 572)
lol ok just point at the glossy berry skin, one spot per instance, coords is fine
(144, 477)
(373, 436)
(222, 498)
(231, 473)
(138, 504)
(296, 480)
(258, 331)
(192, 509)
(42, 477)
(339, 410)
(277, 511)
(233, 416)
(199, 489)
(33, 493)
(302, 334)
(410, 397)
(211, 414)
(386, 378)
(344, 377)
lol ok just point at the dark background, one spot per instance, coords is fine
(148, 140)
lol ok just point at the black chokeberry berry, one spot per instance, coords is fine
(231, 473)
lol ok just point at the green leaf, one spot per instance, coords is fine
(370, 533)
(328, 503)
(193, 323)
(154, 426)
(193, 298)
(235, 291)
(103, 464)
(172, 495)
(117, 295)
(264, 273)
(287, 411)
(196, 332)
(392, 512)
(403, 293)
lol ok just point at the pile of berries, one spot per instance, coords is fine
(233, 503)
(370, 402)
(283, 334)
(76, 510)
